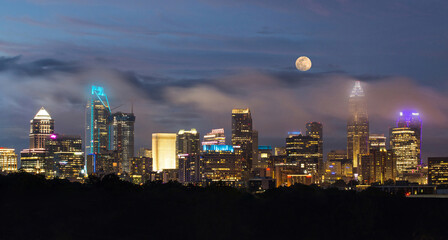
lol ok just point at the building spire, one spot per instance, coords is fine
(357, 90)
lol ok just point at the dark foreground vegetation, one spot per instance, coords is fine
(34, 208)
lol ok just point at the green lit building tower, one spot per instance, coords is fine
(242, 136)
(97, 113)
(188, 148)
(357, 127)
(121, 137)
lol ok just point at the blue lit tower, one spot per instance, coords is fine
(97, 113)
(357, 127)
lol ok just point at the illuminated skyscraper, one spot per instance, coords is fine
(97, 113)
(64, 157)
(357, 126)
(413, 121)
(221, 163)
(378, 166)
(164, 151)
(303, 150)
(42, 126)
(33, 160)
(315, 130)
(8, 160)
(242, 135)
(405, 142)
(215, 137)
(121, 135)
(188, 148)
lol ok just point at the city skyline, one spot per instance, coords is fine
(161, 59)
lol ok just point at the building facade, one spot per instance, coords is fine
(379, 166)
(406, 146)
(164, 151)
(303, 150)
(8, 160)
(437, 170)
(221, 163)
(64, 157)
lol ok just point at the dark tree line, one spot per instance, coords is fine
(108, 208)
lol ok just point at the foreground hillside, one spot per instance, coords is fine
(34, 208)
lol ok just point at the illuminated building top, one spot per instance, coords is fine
(218, 148)
(42, 115)
(357, 90)
(240, 110)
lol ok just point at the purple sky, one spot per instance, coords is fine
(186, 64)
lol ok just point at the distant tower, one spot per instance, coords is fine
(97, 113)
(42, 126)
(357, 127)
(121, 135)
(242, 134)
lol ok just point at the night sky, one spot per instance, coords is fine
(186, 64)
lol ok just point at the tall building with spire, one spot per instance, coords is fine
(357, 127)
(97, 113)
(41, 127)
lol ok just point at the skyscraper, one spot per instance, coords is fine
(378, 166)
(357, 126)
(121, 135)
(42, 126)
(221, 163)
(303, 150)
(405, 144)
(437, 170)
(64, 157)
(188, 148)
(413, 121)
(242, 136)
(315, 130)
(215, 137)
(164, 151)
(97, 113)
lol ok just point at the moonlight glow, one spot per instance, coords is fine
(303, 63)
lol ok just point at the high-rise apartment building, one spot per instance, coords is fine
(357, 126)
(242, 136)
(121, 135)
(164, 151)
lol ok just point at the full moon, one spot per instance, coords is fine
(303, 63)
